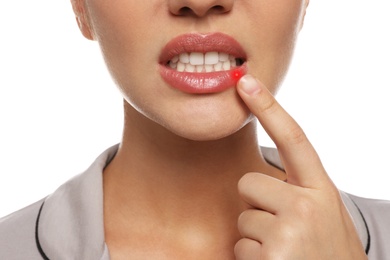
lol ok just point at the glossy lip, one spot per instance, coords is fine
(201, 83)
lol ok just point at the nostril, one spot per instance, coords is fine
(218, 8)
(185, 11)
(188, 11)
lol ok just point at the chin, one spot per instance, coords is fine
(204, 135)
(194, 117)
(209, 129)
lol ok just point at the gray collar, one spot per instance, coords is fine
(70, 225)
(71, 220)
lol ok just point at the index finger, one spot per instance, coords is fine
(301, 161)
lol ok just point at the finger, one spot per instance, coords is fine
(247, 249)
(300, 160)
(256, 224)
(264, 192)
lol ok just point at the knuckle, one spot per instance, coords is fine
(305, 207)
(287, 233)
(243, 217)
(241, 223)
(278, 250)
(295, 135)
(247, 249)
(246, 181)
(244, 220)
(268, 106)
(239, 249)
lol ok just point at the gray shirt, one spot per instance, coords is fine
(68, 224)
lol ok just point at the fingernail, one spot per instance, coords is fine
(250, 85)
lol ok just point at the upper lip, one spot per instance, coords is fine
(195, 42)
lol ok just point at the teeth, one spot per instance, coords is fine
(184, 58)
(223, 56)
(218, 66)
(196, 58)
(233, 63)
(209, 68)
(199, 68)
(203, 62)
(175, 59)
(226, 65)
(190, 67)
(181, 67)
(173, 65)
(211, 58)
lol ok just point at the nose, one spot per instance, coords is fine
(199, 8)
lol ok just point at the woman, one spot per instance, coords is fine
(196, 77)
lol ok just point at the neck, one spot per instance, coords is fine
(180, 183)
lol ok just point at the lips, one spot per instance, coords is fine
(202, 63)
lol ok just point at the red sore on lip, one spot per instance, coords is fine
(236, 75)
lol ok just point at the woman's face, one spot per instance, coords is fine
(141, 41)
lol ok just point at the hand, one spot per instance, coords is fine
(303, 218)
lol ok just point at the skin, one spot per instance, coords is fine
(171, 190)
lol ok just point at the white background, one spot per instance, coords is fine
(59, 108)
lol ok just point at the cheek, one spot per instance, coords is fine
(280, 19)
(123, 31)
(275, 34)
(124, 36)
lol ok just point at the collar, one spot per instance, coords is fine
(70, 224)
(71, 219)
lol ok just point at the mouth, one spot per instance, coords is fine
(202, 63)
(197, 62)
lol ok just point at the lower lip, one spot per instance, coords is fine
(202, 83)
